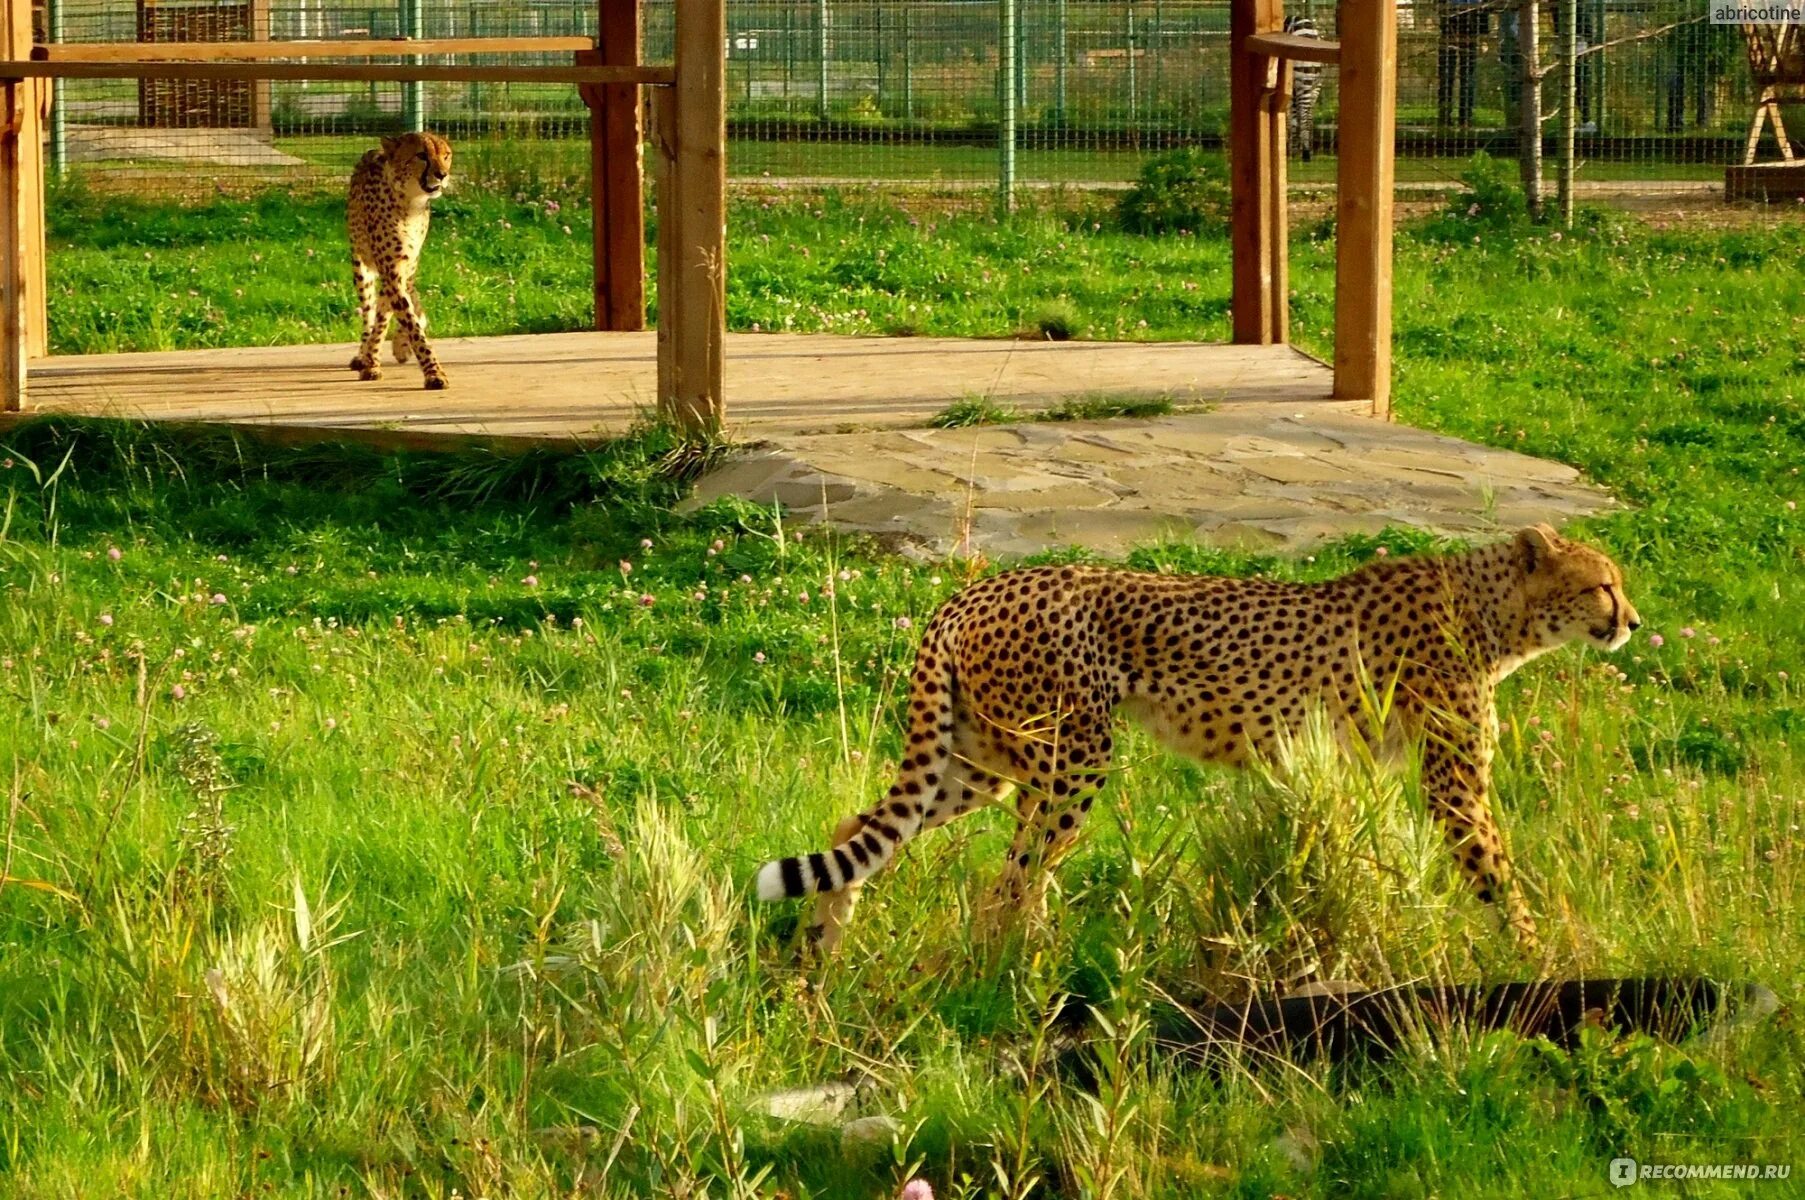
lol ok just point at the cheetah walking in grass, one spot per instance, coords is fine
(387, 213)
(1019, 678)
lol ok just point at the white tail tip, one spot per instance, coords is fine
(770, 882)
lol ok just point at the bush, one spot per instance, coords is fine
(1489, 201)
(1181, 190)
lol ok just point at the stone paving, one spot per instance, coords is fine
(1251, 476)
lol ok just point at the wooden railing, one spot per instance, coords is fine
(1260, 84)
(688, 134)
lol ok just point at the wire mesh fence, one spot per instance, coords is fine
(972, 96)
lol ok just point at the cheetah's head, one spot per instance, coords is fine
(1572, 591)
(419, 162)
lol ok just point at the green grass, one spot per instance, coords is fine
(981, 410)
(566, 160)
(379, 825)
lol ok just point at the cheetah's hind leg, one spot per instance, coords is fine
(1051, 807)
(399, 342)
(827, 925)
(967, 787)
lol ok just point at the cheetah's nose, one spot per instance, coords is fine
(1634, 624)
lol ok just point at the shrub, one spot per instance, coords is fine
(1489, 201)
(1178, 190)
(1056, 320)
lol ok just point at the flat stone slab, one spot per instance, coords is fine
(1252, 476)
(223, 147)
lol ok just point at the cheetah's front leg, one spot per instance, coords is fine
(1456, 776)
(407, 316)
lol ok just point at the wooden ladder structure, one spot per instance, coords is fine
(1777, 65)
(1260, 73)
(688, 135)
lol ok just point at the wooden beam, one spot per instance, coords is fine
(1297, 49)
(372, 72)
(15, 297)
(663, 136)
(37, 249)
(617, 173)
(23, 330)
(1369, 70)
(1251, 186)
(1276, 107)
(260, 91)
(262, 51)
(697, 212)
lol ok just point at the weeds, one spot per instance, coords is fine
(522, 731)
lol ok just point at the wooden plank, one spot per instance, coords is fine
(1276, 107)
(617, 173)
(32, 217)
(21, 213)
(260, 92)
(355, 72)
(696, 401)
(262, 50)
(1369, 62)
(565, 386)
(1250, 172)
(1296, 49)
(664, 156)
(1768, 183)
(14, 296)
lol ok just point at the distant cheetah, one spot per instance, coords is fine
(1019, 677)
(387, 213)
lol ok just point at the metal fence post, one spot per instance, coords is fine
(1021, 59)
(59, 114)
(1156, 50)
(1060, 49)
(821, 73)
(1007, 54)
(413, 95)
(1134, 90)
(908, 68)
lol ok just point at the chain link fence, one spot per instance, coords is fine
(968, 96)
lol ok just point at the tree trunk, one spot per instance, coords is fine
(1529, 155)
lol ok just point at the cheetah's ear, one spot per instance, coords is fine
(389, 144)
(1535, 544)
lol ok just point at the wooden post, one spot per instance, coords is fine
(14, 297)
(1251, 185)
(1369, 61)
(23, 328)
(692, 225)
(617, 173)
(1275, 106)
(260, 91)
(663, 136)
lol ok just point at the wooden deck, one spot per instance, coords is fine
(584, 386)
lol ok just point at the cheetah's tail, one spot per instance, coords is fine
(883, 829)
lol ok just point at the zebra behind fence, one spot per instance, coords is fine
(1306, 86)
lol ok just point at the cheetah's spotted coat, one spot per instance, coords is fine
(1019, 677)
(387, 212)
